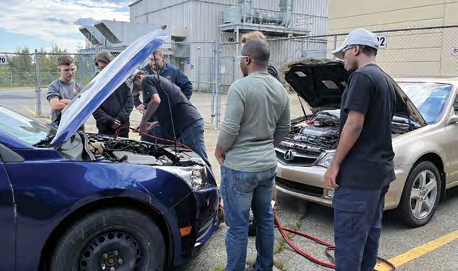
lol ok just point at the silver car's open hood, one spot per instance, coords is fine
(321, 82)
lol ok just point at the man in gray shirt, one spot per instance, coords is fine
(61, 91)
(257, 119)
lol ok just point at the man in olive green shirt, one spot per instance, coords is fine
(257, 119)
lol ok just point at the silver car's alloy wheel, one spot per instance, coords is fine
(424, 194)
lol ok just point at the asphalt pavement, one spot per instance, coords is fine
(428, 248)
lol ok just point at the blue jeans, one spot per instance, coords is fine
(240, 191)
(357, 227)
(193, 137)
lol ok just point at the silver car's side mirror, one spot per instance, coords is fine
(453, 119)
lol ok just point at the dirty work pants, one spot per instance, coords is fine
(357, 227)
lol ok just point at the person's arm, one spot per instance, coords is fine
(231, 125)
(148, 84)
(182, 81)
(283, 125)
(359, 95)
(55, 100)
(128, 106)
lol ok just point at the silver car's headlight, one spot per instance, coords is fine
(195, 176)
(325, 161)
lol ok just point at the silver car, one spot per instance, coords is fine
(425, 138)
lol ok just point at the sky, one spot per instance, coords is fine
(43, 23)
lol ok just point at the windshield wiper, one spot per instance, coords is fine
(44, 142)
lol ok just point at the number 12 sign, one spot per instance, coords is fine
(382, 41)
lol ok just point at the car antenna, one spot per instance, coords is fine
(170, 107)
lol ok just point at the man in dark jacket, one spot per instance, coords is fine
(115, 111)
(158, 66)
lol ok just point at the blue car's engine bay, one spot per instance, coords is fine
(94, 147)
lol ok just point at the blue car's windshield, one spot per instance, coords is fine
(429, 98)
(23, 128)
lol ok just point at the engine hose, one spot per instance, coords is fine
(329, 246)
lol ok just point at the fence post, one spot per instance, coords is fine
(38, 84)
(217, 83)
(80, 70)
(212, 80)
(335, 46)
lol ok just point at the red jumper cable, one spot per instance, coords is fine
(281, 229)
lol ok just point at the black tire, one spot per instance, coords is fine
(118, 237)
(414, 218)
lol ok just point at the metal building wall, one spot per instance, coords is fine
(146, 6)
(203, 17)
(174, 15)
(315, 14)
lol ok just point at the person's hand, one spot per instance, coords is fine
(220, 160)
(116, 124)
(152, 125)
(141, 108)
(143, 128)
(330, 176)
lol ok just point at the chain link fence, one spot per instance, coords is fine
(213, 66)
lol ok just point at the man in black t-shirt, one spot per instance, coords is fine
(168, 103)
(362, 166)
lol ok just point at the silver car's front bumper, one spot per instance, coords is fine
(308, 183)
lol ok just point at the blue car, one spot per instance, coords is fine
(77, 201)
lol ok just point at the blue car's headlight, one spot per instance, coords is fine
(326, 160)
(195, 176)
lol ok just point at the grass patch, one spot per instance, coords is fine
(280, 265)
(281, 243)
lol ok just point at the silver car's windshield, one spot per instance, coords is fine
(429, 98)
(23, 128)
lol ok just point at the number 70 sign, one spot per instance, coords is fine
(382, 41)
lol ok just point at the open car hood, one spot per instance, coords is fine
(321, 82)
(105, 83)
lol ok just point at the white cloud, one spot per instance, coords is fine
(44, 18)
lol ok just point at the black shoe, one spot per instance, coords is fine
(252, 228)
(221, 219)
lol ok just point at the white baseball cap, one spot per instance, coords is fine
(357, 37)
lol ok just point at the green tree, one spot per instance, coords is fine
(5, 75)
(48, 62)
(21, 67)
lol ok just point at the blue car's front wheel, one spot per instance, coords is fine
(118, 239)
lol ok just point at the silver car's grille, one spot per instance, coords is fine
(299, 187)
(296, 156)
